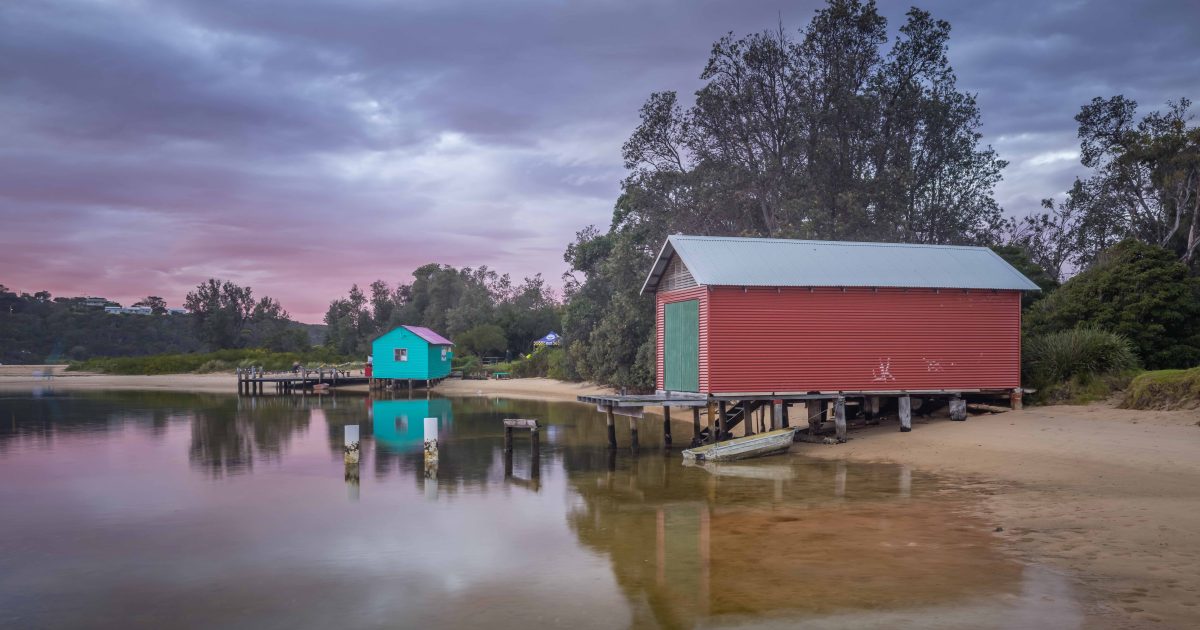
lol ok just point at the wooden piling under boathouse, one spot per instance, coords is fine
(747, 329)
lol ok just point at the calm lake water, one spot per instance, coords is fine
(151, 509)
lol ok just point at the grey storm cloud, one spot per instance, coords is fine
(302, 146)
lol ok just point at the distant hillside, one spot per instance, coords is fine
(36, 330)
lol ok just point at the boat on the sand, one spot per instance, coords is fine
(761, 445)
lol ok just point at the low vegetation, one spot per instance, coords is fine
(544, 361)
(208, 362)
(1164, 389)
(1077, 365)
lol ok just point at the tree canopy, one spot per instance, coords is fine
(1145, 185)
(477, 302)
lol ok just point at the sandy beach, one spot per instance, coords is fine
(1110, 497)
(26, 376)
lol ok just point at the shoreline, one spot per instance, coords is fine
(1108, 496)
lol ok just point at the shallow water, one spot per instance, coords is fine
(151, 509)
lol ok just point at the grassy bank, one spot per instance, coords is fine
(1164, 389)
(206, 362)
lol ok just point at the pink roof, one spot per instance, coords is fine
(429, 335)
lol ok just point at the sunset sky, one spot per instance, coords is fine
(148, 145)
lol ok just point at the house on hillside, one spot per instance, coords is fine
(770, 317)
(411, 353)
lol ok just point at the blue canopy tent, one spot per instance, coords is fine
(551, 339)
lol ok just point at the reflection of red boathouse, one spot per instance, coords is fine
(690, 547)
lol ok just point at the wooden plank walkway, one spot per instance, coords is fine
(254, 380)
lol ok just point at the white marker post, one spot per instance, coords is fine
(351, 446)
(431, 447)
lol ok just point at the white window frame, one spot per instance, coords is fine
(445, 351)
(400, 355)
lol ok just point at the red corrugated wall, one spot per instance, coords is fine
(662, 298)
(794, 340)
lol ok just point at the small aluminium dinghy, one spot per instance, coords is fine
(769, 443)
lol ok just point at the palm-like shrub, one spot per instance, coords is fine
(1078, 354)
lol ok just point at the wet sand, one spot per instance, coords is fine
(27, 376)
(1110, 497)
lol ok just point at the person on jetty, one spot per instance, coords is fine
(367, 367)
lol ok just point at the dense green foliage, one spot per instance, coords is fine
(219, 361)
(607, 326)
(495, 315)
(1080, 354)
(38, 329)
(1164, 389)
(1018, 257)
(1142, 292)
(225, 315)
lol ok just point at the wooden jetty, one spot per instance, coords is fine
(254, 380)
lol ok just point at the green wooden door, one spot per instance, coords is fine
(681, 346)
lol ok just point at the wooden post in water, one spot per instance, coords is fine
(507, 439)
(747, 418)
(431, 447)
(905, 414)
(720, 422)
(839, 413)
(776, 413)
(784, 415)
(633, 433)
(535, 446)
(666, 427)
(612, 427)
(351, 446)
(813, 408)
(352, 450)
(695, 423)
(712, 423)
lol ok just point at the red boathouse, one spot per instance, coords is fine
(774, 317)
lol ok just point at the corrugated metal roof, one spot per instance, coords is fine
(429, 335)
(755, 262)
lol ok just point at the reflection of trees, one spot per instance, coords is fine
(39, 417)
(779, 537)
(227, 440)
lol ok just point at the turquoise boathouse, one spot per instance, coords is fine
(411, 353)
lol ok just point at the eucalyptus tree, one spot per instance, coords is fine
(1144, 184)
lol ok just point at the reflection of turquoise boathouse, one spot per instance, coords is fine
(400, 424)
